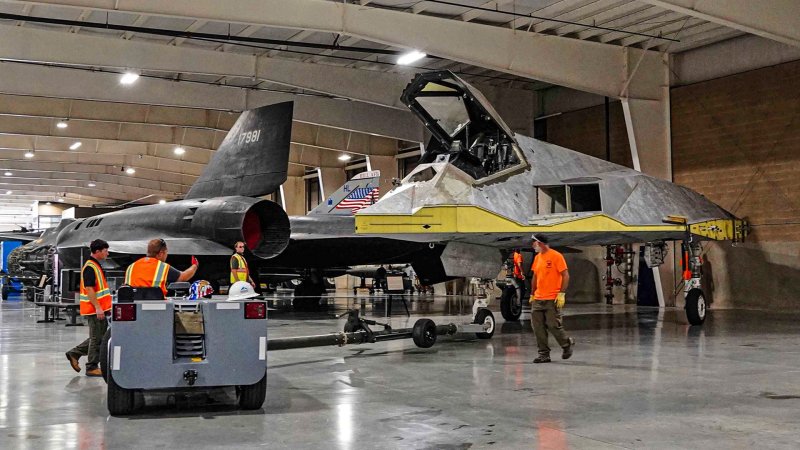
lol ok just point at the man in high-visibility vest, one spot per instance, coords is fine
(153, 271)
(239, 269)
(95, 299)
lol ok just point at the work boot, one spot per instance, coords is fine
(73, 361)
(542, 359)
(568, 349)
(96, 372)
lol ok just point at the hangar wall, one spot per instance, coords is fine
(736, 140)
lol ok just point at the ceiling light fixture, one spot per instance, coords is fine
(61, 200)
(345, 158)
(130, 171)
(29, 154)
(128, 78)
(9, 192)
(162, 201)
(62, 124)
(91, 185)
(179, 150)
(410, 57)
(8, 174)
(76, 145)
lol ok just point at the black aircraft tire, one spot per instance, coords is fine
(484, 316)
(424, 333)
(104, 354)
(508, 308)
(120, 401)
(695, 307)
(252, 396)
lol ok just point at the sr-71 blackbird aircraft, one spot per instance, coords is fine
(219, 209)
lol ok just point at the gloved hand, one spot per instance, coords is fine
(195, 262)
(561, 298)
(531, 299)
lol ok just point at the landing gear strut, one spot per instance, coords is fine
(692, 273)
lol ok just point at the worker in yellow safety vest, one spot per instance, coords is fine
(239, 269)
(153, 271)
(95, 302)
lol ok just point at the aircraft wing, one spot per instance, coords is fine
(19, 236)
(177, 246)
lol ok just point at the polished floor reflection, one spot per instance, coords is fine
(640, 378)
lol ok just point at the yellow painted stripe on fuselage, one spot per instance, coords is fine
(450, 219)
(474, 219)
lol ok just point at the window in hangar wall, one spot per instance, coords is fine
(312, 190)
(406, 164)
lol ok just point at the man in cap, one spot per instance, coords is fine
(549, 285)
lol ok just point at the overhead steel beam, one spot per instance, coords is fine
(778, 20)
(58, 82)
(33, 44)
(598, 68)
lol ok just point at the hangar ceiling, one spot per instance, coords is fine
(204, 61)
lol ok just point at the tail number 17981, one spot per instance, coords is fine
(249, 136)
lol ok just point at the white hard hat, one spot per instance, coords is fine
(240, 291)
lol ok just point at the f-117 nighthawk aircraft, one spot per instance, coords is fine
(480, 190)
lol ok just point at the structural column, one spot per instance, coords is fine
(648, 126)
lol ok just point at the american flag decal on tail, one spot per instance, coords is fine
(359, 198)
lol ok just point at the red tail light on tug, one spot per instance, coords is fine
(255, 310)
(125, 312)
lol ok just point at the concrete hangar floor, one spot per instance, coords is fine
(639, 378)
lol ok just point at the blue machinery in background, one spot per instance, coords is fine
(9, 284)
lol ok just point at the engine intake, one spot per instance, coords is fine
(261, 224)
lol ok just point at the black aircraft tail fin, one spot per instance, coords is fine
(253, 158)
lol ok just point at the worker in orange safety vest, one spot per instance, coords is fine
(153, 271)
(95, 302)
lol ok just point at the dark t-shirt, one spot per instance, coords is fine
(173, 275)
(380, 274)
(89, 279)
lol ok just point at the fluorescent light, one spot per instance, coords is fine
(8, 174)
(91, 185)
(410, 57)
(76, 145)
(130, 171)
(162, 201)
(179, 150)
(345, 158)
(62, 124)
(128, 78)
(29, 154)
(9, 192)
(61, 200)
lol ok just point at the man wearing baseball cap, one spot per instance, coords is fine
(550, 281)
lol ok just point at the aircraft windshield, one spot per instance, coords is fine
(449, 112)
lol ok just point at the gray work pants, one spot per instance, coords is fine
(91, 346)
(546, 317)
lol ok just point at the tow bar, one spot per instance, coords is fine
(357, 331)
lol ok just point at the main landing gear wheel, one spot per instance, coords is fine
(424, 333)
(486, 318)
(510, 304)
(695, 307)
